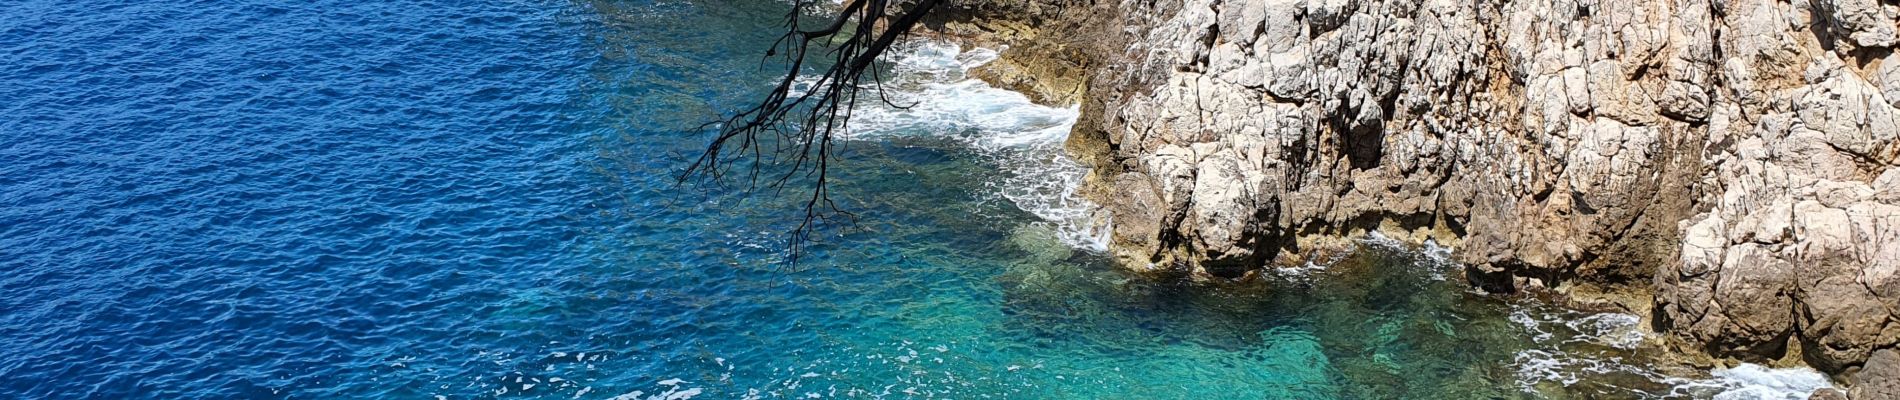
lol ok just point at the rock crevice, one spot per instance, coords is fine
(1734, 158)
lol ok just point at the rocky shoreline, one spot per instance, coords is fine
(1726, 168)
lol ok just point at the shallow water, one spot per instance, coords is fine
(421, 199)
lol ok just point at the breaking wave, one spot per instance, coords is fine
(1575, 347)
(1600, 353)
(933, 94)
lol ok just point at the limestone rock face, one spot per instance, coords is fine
(1554, 140)
(1737, 157)
(1879, 379)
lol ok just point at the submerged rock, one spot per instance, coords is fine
(1736, 157)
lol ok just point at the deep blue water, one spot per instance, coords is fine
(475, 199)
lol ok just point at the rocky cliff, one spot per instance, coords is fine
(1733, 160)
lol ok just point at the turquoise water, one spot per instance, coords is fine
(421, 199)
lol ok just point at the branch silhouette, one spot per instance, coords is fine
(796, 126)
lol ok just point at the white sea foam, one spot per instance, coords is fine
(674, 391)
(1302, 273)
(1572, 348)
(1753, 382)
(1616, 330)
(1437, 258)
(1023, 139)
(1377, 238)
(1437, 253)
(1551, 362)
(1431, 257)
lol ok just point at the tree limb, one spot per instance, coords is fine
(802, 125)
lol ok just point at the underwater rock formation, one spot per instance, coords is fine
(1734, 159)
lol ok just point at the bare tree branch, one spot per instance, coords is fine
(801, 125)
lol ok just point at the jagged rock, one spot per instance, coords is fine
(1879, 379)
(1741, 158)
(1863, 22)
(1221, 213)
(1827, 394)
(1889, 78)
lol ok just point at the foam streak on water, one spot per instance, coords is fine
(1575, 347)
(476, 199)
(1756, 382)
(1023, 139)
(1573, 351)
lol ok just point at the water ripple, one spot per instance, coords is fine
(475, 199)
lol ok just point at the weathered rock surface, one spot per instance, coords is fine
(1736, 157)
(1879, 379)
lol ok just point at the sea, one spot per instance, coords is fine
(481, 199)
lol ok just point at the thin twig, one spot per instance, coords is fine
(803, 125)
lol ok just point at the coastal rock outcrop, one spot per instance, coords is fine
(1733, 160)
(1880, 378)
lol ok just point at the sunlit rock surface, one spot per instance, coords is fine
(1735, 158)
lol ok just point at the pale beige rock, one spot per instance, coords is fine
(1879, 379)
(1863, 22)
(1737, 157)
(1889, 78)
(1828, 394)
